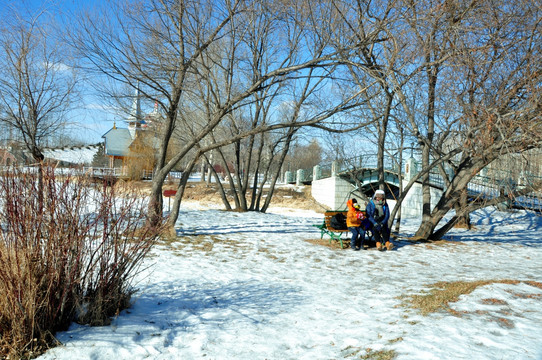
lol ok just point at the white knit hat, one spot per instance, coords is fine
(380, 192)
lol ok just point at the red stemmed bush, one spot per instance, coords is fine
(69, 251)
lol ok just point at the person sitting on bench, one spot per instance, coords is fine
(353, 222)
(378, 213)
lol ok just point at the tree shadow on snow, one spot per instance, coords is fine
(170, 311)
(510, 227)
(490, 226)
(246, 228)
(175, 309)
(211, 222)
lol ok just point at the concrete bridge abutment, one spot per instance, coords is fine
(333, 192)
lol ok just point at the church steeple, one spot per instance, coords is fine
(135, 118)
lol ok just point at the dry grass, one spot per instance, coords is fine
(393, 341)
(369, 354)
(208, 194)
(335, 245)
(492, 301)
(443, 293)
(379, 355)
(205, 243)
(534, 283)
(438, 244)
(298, 200)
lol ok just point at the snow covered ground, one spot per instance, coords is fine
(249, 286)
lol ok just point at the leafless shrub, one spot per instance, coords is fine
(74, 261)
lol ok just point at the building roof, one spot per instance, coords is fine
(72, 155)
(117, 142)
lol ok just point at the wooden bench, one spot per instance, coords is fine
(336, 234)
(327, 229)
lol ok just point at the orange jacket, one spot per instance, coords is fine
(352, 219)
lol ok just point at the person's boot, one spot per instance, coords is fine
(389, 245)
(379, 246)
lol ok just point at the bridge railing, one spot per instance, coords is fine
(493, 183)
(367, 161)
(325, 170)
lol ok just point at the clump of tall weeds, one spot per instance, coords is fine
(69, 251)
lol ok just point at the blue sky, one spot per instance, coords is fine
(90, 118)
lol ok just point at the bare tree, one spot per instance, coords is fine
(480, 95)
(154, 45)
(372, 70)
(454, 68)
(303, 156)
(36, 84)
(499, 94)
(160, 44)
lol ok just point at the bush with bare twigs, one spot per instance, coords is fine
(73, 260)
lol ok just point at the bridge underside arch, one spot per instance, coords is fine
(367, 179)
(392, 191)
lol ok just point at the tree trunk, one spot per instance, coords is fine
(221, 189)
(155, 204)
(285, 150)
(174, 214)
(382, 142)
(427, 222)
(254, 203)
(464, 219)
(231, 183)
(451, 197)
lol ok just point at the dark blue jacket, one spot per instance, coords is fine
(370, 209)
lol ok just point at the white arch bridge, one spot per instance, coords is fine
(359, 174)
